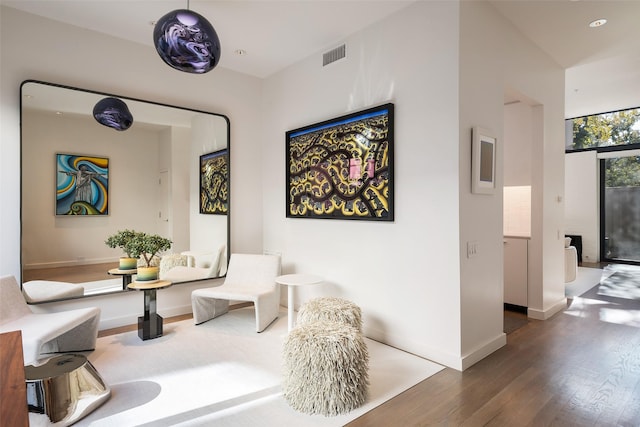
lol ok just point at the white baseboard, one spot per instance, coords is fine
(483, 351)
(69, 263)
(546, 314)
(420, 349)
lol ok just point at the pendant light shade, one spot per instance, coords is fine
(186, 41)
(113, 113)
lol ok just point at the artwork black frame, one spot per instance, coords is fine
(214, 188)
(342, 168)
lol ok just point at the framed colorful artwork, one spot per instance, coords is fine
(82, 185)
(214, 183)
(342, 168)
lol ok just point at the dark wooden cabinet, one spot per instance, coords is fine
(13, 390)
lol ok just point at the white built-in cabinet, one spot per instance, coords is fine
(516, 271)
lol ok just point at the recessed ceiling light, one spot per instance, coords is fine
(597, 23)
(240, 52)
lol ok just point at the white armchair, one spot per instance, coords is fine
(73, 330)
(249, 278)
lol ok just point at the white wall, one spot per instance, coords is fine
(480, 97)
(450, 319)
(174, 166)
(208, 232)
(582, 201)
(517, 144)
(59, 53)
(403, 274)
(494, 57)
(539, 82)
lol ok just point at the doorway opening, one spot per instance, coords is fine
(620, 208)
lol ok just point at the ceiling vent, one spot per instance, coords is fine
(334, 55)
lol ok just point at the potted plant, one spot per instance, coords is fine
(121, 240)
(146, 246)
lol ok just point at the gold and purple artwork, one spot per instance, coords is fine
(342, 168)
(82, 185)
(214, 183)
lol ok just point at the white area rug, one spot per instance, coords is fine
(586, 279)
(223, 373)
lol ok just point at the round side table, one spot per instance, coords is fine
(126, 275)
(291, 281)
(149, 325)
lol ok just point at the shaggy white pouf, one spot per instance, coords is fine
(330, 309)
(326, 368)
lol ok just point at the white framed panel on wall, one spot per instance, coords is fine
(483, 162)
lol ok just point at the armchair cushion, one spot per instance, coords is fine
(47, 290)
(167, 262)
(73, 330)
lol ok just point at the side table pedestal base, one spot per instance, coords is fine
(150, 328)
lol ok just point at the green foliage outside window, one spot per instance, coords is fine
(606, 130)
(622, 172)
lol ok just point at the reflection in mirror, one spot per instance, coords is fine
(144, 178)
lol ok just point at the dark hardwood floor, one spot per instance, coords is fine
(73, 274)
(571, 370)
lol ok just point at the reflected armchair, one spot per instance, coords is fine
(199, 265)
(249, 278)
(169, 261)
(73, 330)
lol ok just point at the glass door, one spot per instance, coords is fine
(620, 209)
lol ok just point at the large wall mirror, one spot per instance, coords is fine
(158, 170)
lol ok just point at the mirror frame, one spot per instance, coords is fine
(126, 98)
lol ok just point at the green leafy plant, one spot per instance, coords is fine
(147, 246)
(121, 240)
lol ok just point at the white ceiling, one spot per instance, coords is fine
(603, 64)
(276, 34)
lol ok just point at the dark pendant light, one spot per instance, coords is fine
(113, 113)
(186, 41)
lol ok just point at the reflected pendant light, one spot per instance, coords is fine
(113, 113)
(186, 41)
